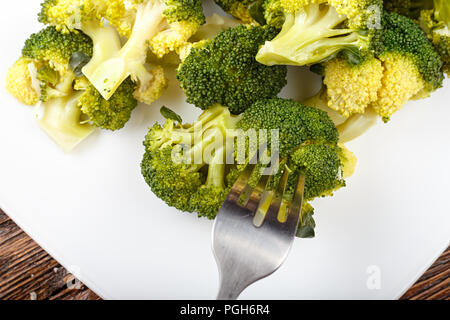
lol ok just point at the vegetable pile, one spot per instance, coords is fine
(95, 60)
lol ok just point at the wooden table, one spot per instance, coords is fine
(28, 272)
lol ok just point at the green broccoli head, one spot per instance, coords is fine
(110, 114)
(315, 31)
(177, 171)
(401, 36)
(49, 54)
(223, 70)
(307, 141)
(322, 164)
(436, 24)
(248, 11)
(296, 123)
(51, 48)
(186, 178)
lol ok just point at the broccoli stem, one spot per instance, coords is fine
(216, 169)
(106, 43)
(308, 37)
(442, 12)
(61, 120)
(108, 74)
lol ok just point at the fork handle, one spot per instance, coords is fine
(230, 290)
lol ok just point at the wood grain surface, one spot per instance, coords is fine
(27, 272)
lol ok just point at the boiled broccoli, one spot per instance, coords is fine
(44, 63)
(188, 167)
(433, 16)
(110, 114)
(408, 68)
(213, 25)
(248, 11)
(162, 25)
(137, 19)
(224, 70)
(48, 71)
(436, 24)
(314, 31)
(21, 82)
(412, 68)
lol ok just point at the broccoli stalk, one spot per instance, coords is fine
(442, 12)
(312, 32)
(176, 174)
(310, 36)
(106, 43)
(62, 120)
(107, 74)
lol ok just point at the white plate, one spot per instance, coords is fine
(94, 213)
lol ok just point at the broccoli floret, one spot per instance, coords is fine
(177, 171)
(408, 68)
(224, 70)
(314, 31)
(159, 25)
(45, 63)
(176, 178)
(72, 15)
(436, 24)
(248, 11)
(412, 66)
(433, 16)
(71, 107)
(322, 165)
(88, 16)
(49, 47)
(295, 123)
(110, 114)
(21, 83)
(153, 90)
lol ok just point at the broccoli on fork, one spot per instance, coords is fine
(314, 31)
(186, 165)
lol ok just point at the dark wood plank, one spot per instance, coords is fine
(434, 284)
(28, 272)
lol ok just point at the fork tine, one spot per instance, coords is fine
(257, 194)
(274, 208)
(295, 206)
(241, 186)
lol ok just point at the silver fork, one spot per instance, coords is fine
(246, 247)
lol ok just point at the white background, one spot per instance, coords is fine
(94, 213)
